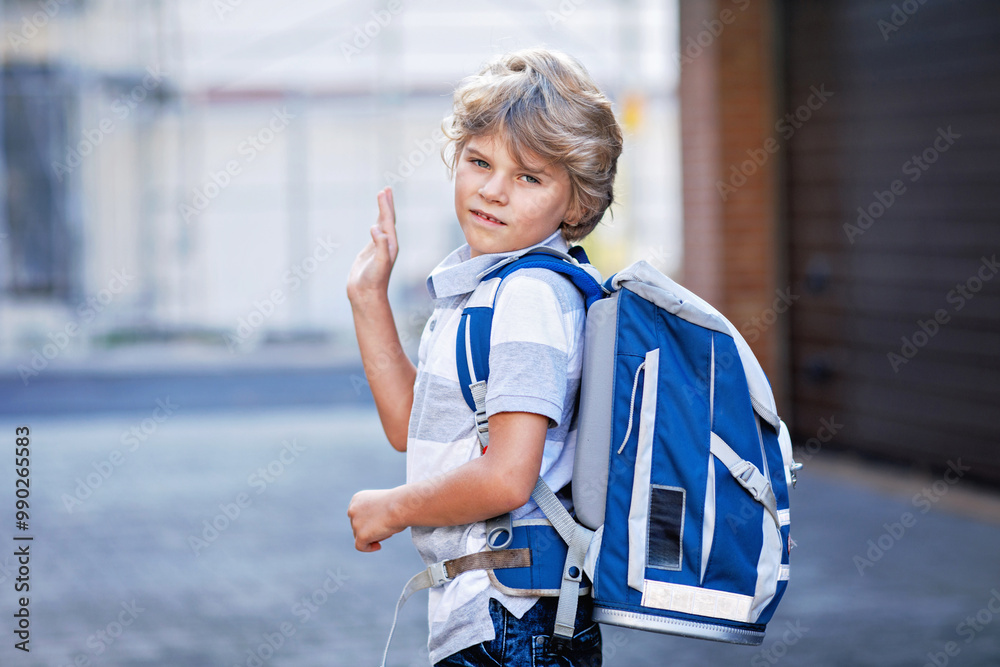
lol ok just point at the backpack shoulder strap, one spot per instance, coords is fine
(472, 347)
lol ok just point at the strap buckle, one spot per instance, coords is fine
(499, 532)
(793, 469)
(439, 573)
(482, 422)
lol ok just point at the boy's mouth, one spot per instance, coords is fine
(487, 218)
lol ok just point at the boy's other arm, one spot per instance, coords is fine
(390, 372)
(499, 481)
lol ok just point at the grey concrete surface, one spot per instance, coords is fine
(118, 580)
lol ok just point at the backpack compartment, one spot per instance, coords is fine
(685, 549)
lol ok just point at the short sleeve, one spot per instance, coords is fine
(535, 345)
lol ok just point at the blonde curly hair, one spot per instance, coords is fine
(543, 103)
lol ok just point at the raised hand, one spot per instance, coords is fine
(370, 272)
(390, 372)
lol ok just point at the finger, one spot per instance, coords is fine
(367, 547)
(380, 241)
(387, 218)
(386, 210)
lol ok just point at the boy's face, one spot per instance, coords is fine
(502, 206)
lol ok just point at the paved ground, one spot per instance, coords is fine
(130, 380)
(118, 578)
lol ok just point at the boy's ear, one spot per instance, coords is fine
(573, 215)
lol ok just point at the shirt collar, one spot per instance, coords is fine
(459, 272)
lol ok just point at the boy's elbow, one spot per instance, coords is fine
(514, 491)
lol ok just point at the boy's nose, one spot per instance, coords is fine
(492, 191)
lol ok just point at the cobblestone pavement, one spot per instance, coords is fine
(220, 538)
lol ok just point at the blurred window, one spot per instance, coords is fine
(35, 100)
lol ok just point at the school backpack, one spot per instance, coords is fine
(681, 474)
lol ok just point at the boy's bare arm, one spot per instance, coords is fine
(499, 481)
(390, 372)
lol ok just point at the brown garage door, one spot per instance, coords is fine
(893, 218)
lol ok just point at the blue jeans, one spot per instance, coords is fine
(527, 642)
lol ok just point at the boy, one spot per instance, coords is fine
(534, 153)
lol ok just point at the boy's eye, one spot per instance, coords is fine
(531, 179)
(481, 163)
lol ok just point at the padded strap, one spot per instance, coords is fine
(748, 476)
(584, 276)
(472, 346)
(445, 571)
(472, 351)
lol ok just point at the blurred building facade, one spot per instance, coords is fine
(840, 162)
(207, 170)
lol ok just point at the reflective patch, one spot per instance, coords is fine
(698, 601)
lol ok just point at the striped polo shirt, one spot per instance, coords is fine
(536, 352)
